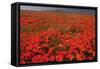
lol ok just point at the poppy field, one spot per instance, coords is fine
(51, 36)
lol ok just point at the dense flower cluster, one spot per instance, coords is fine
(56, 37)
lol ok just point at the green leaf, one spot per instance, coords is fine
(67, 48)
(87, 54)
